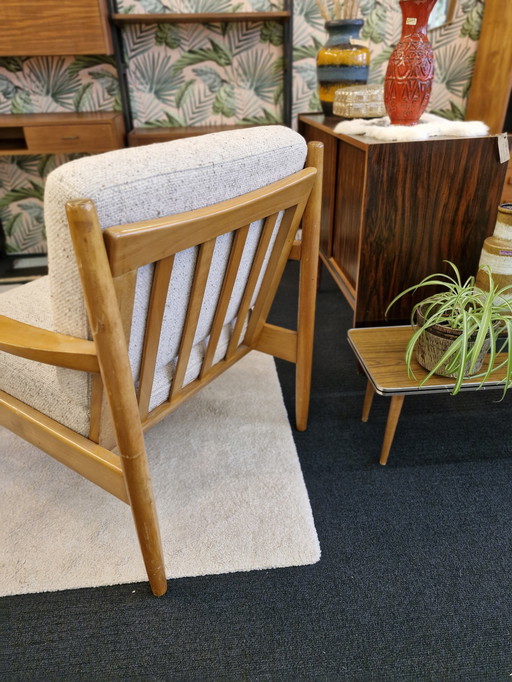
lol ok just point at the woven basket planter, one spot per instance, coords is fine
(435, 341)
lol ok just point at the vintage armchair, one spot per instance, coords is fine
(163, 264)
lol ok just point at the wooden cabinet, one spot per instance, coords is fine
(60, 133)
(392, 212)
(54, 27)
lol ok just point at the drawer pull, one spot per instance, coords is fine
(71, 137)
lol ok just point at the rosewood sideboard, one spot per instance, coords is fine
(394, 211)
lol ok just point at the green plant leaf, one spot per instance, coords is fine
(12, 64)
(382, 57)
(169, 121)
(52, 78)
(47, 163)
(22, 103)
(25, 235)
(454, 68)
(211, 78)
(479, 316)
(34, 210)
(9, 226)
(169, 35)
(7, 87)
(256, 71)
(374, 28)
(107, 80)
(138, 39)
(308, 74)
(182, 93)
(267, 118)
(35, 191)
(473, 23)
(306, 51)
(242, 37)
(216, 53)
(454, 113)
(153, 71)
(83, 62)
(271, 32)
(82, 96)
(309, 12)
(225, 101)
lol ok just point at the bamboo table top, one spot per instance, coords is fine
(381, 352)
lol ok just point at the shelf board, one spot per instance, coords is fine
(56, 119)
(140, 136)
(200, 18)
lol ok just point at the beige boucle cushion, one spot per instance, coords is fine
(35, 383)
(142, 183)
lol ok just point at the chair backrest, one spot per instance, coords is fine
(143, 184)
(229, 295)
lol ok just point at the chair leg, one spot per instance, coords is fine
(368, 400)
(303, 379)
(307, 290)
(143, 507)
(393, 415)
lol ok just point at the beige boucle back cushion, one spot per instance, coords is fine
(142, 183)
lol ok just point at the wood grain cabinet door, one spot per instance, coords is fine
(54, 27)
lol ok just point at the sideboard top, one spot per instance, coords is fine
(328, 123)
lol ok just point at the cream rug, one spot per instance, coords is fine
(229, 490)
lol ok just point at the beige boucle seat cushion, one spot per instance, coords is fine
(33, 382)
(142, 183)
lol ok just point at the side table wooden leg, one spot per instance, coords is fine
(393, 415)
(368, 399)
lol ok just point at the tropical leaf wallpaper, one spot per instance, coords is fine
(196, 74)
(35, 85)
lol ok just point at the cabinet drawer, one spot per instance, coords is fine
(70, 138)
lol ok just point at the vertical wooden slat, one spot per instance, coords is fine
(101, 426)
(95, 408)
(202, 270)
(252, 280)
(235, 256)
(159, 289)
(277, 261)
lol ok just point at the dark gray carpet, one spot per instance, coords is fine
(414, 580)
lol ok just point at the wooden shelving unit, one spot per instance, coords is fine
(140, 135)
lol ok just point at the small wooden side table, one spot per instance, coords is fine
(381, 351)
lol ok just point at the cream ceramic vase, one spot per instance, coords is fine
(497, 252)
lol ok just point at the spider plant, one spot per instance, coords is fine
(475, 319)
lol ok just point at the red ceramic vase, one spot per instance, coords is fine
(410, 71)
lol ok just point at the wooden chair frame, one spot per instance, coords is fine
(108, 261)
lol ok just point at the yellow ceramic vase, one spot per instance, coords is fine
(341, 61)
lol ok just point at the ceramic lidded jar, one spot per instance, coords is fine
(410, 71)
(341, 62)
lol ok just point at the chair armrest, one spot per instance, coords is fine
(46, 346)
